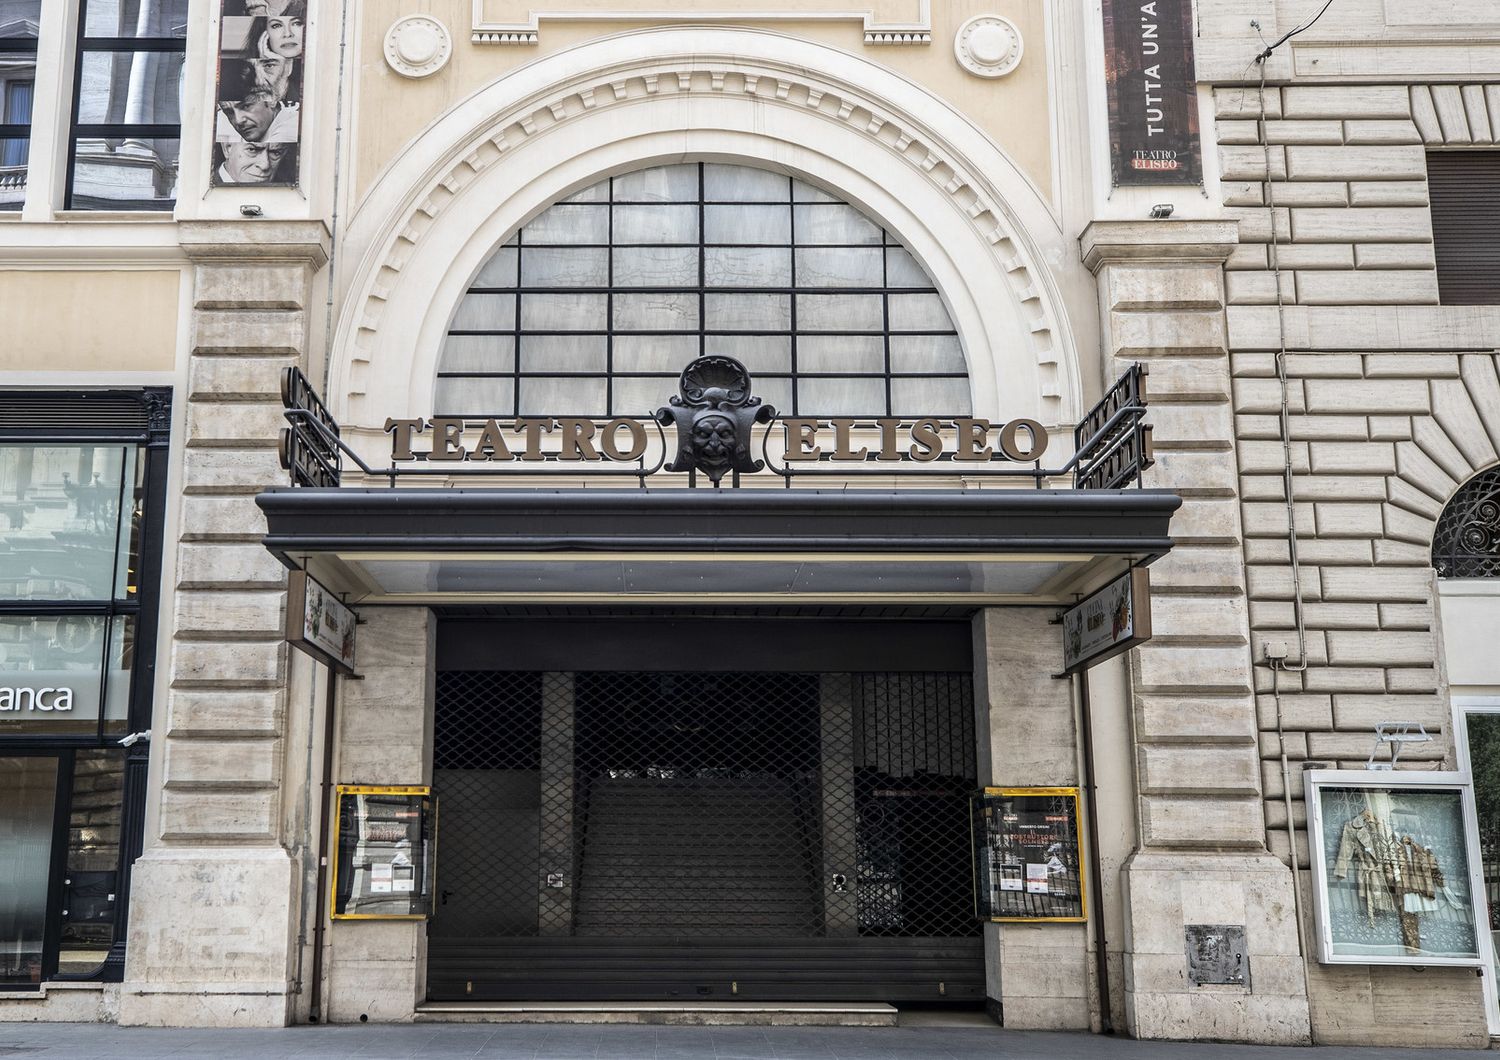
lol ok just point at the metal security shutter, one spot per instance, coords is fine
(1464, 188)
(673, 834)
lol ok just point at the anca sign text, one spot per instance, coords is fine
(30, 699)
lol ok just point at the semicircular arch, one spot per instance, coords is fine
(653, 97)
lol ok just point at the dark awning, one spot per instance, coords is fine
(985, 546)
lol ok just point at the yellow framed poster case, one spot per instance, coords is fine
(1029, 856)
(384, 852)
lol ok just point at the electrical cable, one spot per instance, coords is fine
(1278, 665)
(1292, 33)
(1284, 413)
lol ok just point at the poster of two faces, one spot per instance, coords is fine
(258, 124)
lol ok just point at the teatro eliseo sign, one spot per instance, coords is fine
(722, 430)
(715, 418)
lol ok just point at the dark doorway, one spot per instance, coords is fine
(719, 834)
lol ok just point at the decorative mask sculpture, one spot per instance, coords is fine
(714, 414)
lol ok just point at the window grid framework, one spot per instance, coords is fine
(771, 383)
(17, 54)
(172, 40)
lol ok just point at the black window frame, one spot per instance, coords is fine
(13, 130)
(701, 290)
(84, 45)
(29, 421)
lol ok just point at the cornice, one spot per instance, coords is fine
(876, 32)
(89, 244)
(231, 241)
(1106, 242)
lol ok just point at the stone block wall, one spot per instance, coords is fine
(377, 970)
(1040, 975)
(1201, 857)
(1393, 401)
(202, 950)
(1347, 195)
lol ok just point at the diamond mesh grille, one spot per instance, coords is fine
(704, 805)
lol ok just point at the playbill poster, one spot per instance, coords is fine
(258, 120)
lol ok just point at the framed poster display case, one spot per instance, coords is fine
(1394, 879)
(385, 848)
(1028, 855)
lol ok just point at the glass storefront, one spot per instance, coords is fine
(79, 555)
(26, 829)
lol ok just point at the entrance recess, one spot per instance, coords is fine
(705, 832)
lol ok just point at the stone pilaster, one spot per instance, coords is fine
(1040, 974)
(379, 969)
(1202, 857)
(200, 953)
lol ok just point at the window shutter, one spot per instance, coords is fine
(1464, 189)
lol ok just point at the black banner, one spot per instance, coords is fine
(1153, 107)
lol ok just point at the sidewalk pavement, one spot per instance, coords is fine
(943, 1040)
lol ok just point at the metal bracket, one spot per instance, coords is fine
(1397, 734)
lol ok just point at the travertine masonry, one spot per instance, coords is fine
(1202, 852)
(378, 970)
(1041, 974)
(1348, 195)
(1390, 410)
(200, 953)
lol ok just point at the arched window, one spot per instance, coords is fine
(1466, 543)
(595, 306)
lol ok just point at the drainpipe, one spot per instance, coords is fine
(320, 917)
(325, 790)
(1096, 872)
(333, 223)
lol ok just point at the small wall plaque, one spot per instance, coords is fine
(1217, 955)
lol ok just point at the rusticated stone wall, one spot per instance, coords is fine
(1393, 402)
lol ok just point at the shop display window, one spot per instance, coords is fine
(70, 539)
(69, 522)
(80, 542)
(1396, 881)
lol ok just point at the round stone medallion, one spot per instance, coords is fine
(417, 45)
(988, 46)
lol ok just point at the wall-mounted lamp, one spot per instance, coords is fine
(252, 210)
(1162, 210)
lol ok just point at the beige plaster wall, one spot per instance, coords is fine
(89, 320)
(391, 110)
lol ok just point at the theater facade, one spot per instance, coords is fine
(776, 511)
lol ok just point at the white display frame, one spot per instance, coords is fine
(1314, 780)
(1465, 707)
